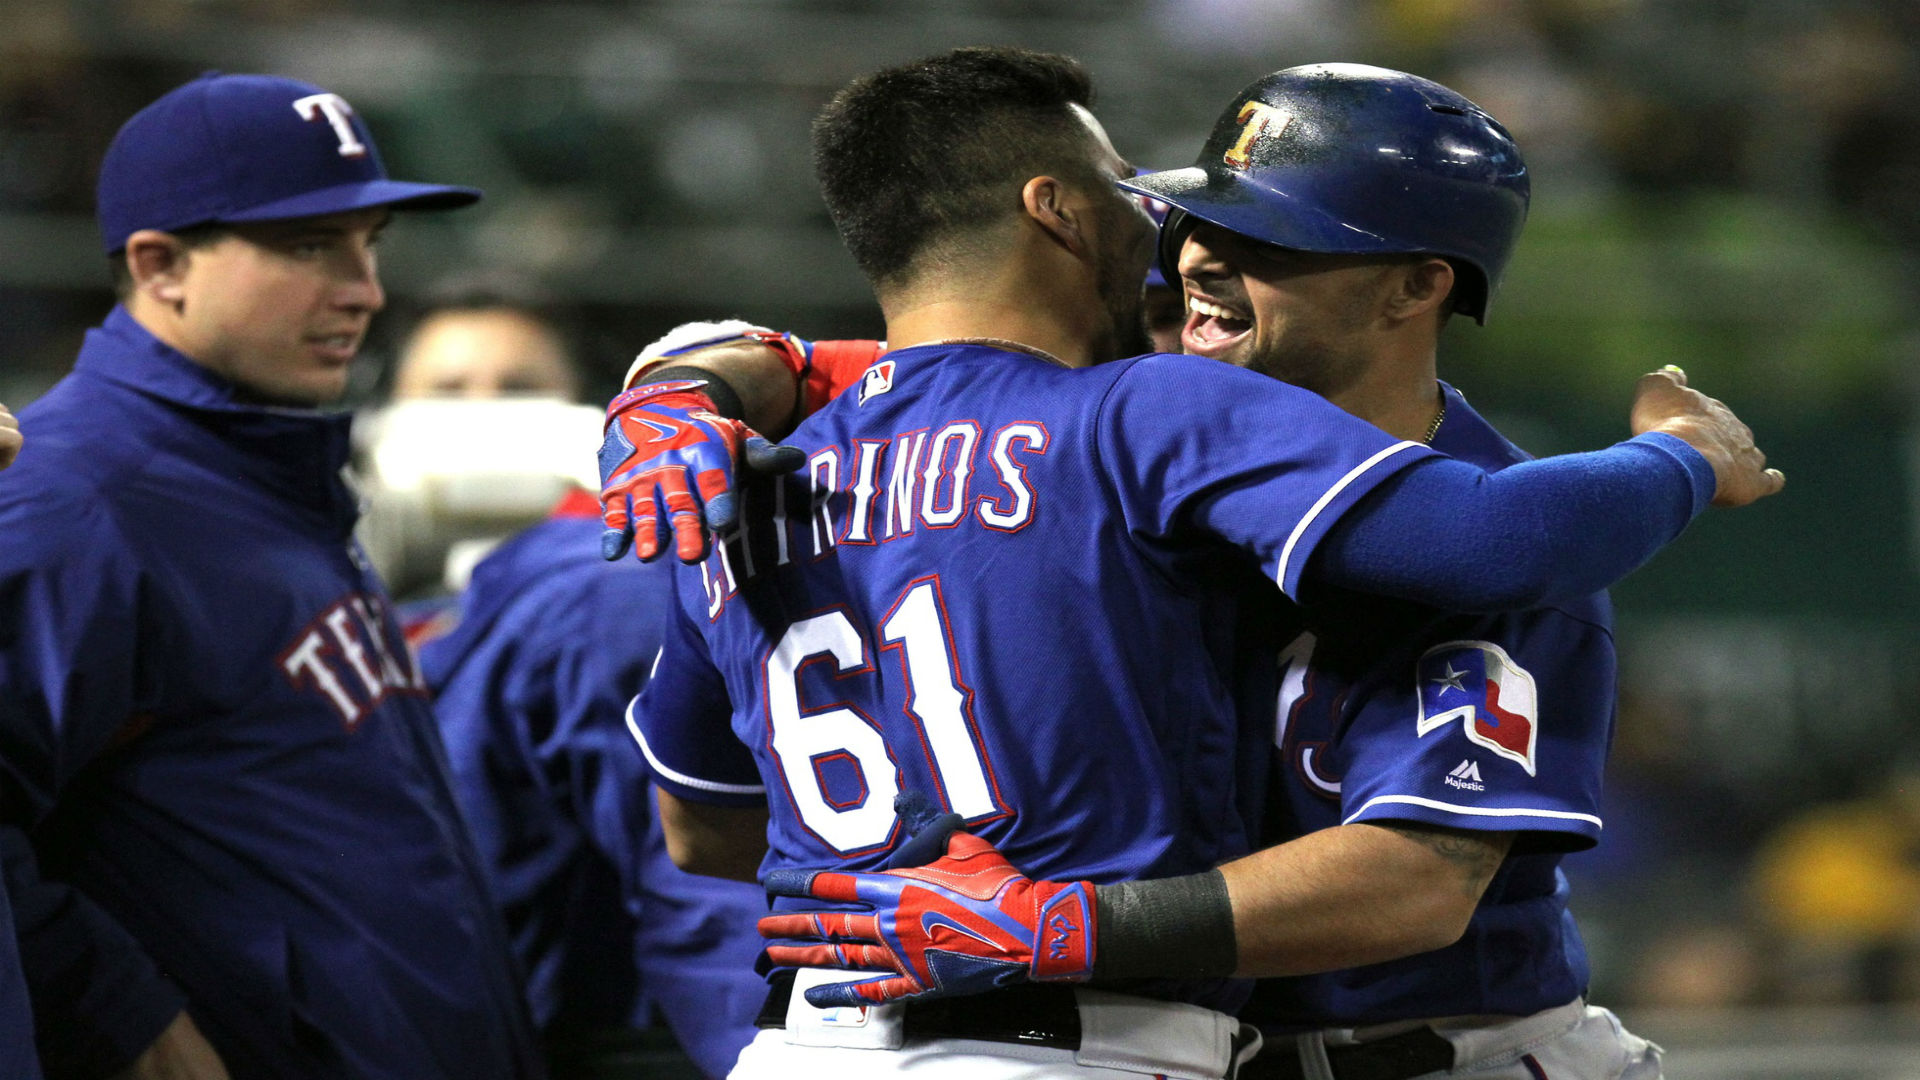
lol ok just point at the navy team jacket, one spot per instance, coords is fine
(220, 750)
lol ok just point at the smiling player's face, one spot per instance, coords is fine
(1297, 316)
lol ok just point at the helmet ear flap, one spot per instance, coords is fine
(1469, 291)
(1173, 236)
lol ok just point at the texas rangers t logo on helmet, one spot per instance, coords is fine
(336, 110)
(1476, 682)
(1259, 117)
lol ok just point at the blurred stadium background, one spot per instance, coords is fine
(1732, 185)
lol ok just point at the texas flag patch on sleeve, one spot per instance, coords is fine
(1478, 684)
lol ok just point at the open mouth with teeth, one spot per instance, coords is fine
(1213, 328)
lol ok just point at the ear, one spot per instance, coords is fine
(1049, 203)
(1419, 289)
(158, 262)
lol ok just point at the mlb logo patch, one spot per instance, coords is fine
(878, 380)
(1478, 684)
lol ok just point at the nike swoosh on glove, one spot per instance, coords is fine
(964, 923)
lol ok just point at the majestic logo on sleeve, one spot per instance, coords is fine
(1477, 683)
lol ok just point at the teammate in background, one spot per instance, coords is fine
(780, 620)
(531, 676)
(485, 345)
(249, 861)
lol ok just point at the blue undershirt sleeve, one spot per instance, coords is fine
(1446, 534)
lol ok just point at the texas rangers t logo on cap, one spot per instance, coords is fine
(336, 110)
(1476, 682)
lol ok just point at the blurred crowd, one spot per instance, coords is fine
(1735, 185)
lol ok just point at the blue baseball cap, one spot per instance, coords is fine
(237, 148)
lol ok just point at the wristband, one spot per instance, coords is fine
(1167, 928)
(726, 401)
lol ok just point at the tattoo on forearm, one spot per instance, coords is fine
(1476, 855)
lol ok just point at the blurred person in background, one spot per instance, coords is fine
(1838, 888)
(531, 668)
(487, 343)
(231, 842)
(444, 483)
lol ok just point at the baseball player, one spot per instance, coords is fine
(531, 670)
(249, 862)
(943, 506)
(1481, 737)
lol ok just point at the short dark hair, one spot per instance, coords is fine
(914, 154)
(193, 236)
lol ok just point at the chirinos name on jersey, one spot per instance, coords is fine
(877, 491)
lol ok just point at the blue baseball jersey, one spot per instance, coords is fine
(223, 749)
(1389, 713)
(1014, 587)
(531, 683)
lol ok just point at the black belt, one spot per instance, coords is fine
(1396, 1057)
(1028, 1015)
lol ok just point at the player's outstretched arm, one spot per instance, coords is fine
(1446, 534)
(10, 438)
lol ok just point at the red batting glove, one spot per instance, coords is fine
(663, 444)
(964, 923)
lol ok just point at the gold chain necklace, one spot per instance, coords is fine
(1001, 343)
(1434, 428)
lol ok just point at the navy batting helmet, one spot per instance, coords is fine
(1351, 159)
